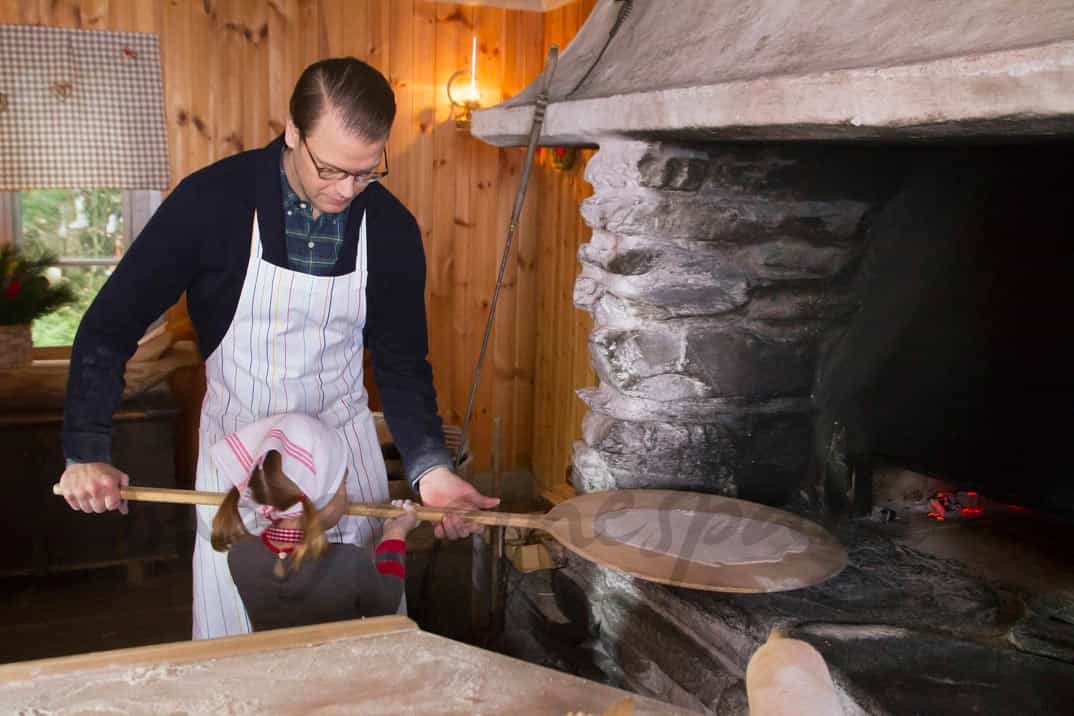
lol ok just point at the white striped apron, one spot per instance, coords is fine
(294, 346)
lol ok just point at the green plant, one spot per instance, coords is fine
(72, 223)
(25, 290)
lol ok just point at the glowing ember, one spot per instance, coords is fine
(964, 503)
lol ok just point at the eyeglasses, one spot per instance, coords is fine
(330, 173)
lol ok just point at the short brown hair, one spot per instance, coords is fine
(358, 92)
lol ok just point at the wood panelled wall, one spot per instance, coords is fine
(562, 331)
(229, 66)
(562, 363)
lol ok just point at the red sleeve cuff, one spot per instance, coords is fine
(389, 566)
(391, 545)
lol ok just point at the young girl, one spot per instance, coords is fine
(291, 470)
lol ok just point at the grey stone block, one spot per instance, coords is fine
(610, 401)
(669, 216)
(1044, 637)
(696, 359)
(671, 172)
(1056, 604)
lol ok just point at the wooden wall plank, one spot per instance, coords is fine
(562, 319)
(502, 360)
(280, 49)
(423, 89)
(465, 327)
(544, 383)
(312, 43)
(488, 236)
(552, 386)
(505, 359)
(423, 149)
(203, 47)
(120, 16)
(11, 12)
(380, 36)
(20, 12)
(148, 17)
(62, 13)
(175, 54)
(530, 55)
(94, 14)
(358, 37)
(400, 75)
(452, 28)
(254, 75)
(230, 30)
(334, 20)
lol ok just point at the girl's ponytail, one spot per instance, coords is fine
(315, 543)
(227, 524)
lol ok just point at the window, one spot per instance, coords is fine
(89, 230)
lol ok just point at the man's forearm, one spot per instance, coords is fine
(94, 389)
(409, 401)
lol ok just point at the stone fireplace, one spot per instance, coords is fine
(714, 277)
(826, 237)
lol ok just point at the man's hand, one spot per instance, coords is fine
(444, 489)
(94, 487)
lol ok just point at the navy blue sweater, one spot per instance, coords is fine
(198, 241)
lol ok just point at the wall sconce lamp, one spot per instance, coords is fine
(464, 96)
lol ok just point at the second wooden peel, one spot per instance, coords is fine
(573, 524)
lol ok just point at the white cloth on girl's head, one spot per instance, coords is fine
(314, 457)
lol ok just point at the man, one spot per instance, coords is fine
(294, 259)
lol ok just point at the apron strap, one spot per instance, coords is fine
(360, 252)
(255, 238)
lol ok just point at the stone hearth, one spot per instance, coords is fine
(902, 633)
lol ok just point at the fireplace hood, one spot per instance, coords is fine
(813, 69)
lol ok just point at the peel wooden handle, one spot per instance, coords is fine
(425, 514)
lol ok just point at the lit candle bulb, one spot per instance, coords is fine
(473, 95)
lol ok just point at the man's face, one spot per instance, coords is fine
(331, 148)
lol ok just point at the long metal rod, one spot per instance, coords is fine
(520, 197)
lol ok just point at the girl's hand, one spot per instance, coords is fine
(399, 527)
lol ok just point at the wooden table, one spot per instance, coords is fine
(375, 666)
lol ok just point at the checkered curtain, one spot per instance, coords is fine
(81, 109)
